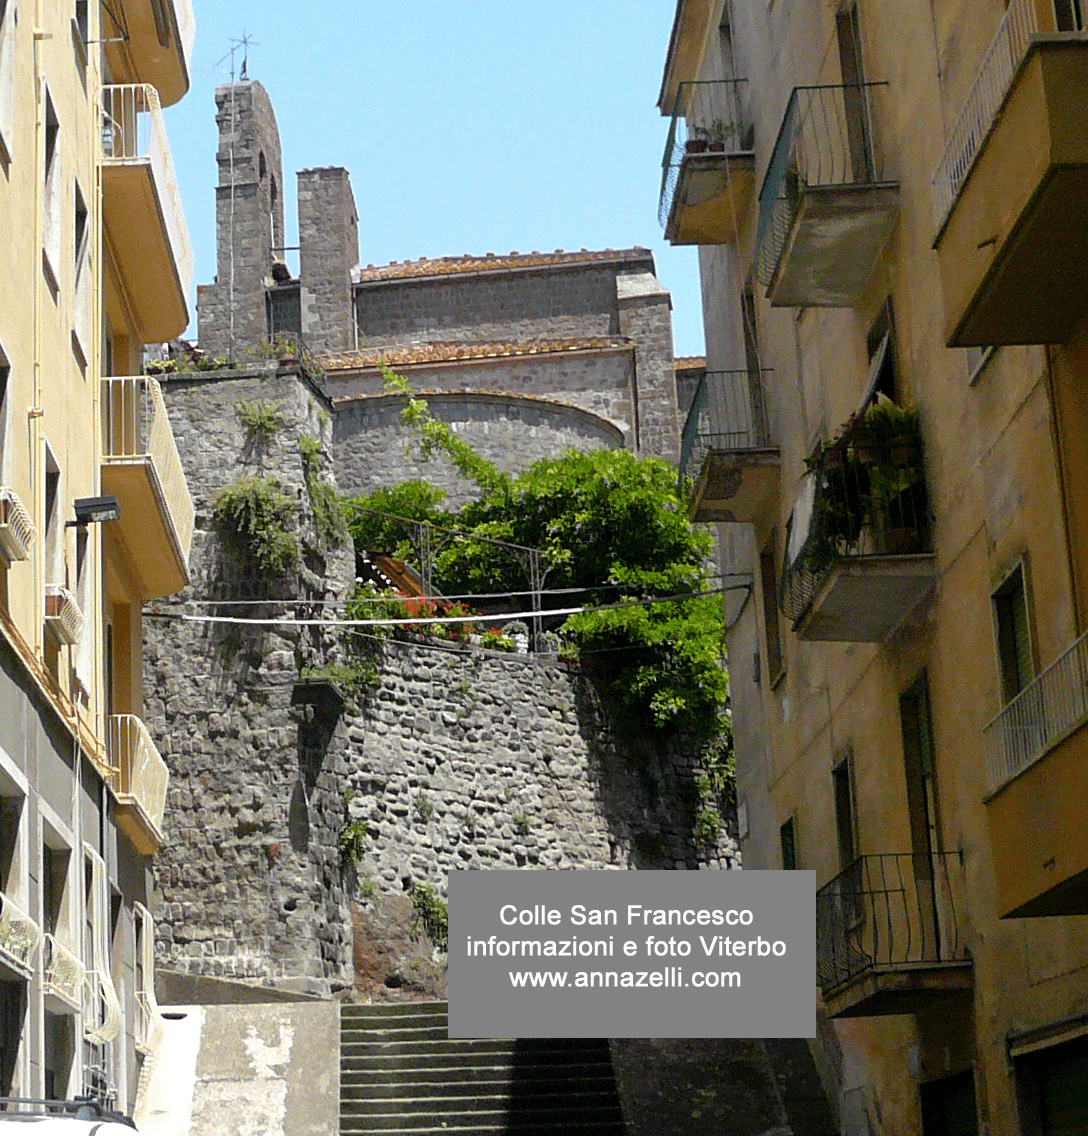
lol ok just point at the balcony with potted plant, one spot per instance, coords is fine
(859, 555)
(708, 170)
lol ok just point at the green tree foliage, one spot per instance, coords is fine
(257, 519)
(608, 522)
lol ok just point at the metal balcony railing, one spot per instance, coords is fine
(992, 82)
(133, 133)
(142, 777)
(728, 412)
(706, 117)
(19, 936)
(861, 499)
(1040, 716)
(829, 137)
(101, 1008)
(136, 430)
(17, 531)
(897, 911)
(62, 973)
(63, 616)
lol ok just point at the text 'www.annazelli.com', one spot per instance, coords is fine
(672, 977)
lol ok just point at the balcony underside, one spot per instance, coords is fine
(139, 239)
(1038, 834)
(908, 989)
(138, 44)
(145, 530)
(736, 485)
(713, 193)
(137, 825)
(833, 245)
(864, 599)
(1013, 253)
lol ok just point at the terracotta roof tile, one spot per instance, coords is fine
(452, 265)
(690, 362)
(451, 352)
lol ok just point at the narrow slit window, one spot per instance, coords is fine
(1013, 635)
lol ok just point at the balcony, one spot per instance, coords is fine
(889, 938)
(152, 41)
(17, 531)
(859, 558)
(140, 464)
(63, 976)
(708, 171)
(141, 781)
(143, 218)
(63, 618)
(1037, 770)
(726, 446)
(1011, 191)
(19, 938)
(828, 201)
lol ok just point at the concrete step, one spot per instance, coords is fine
(497, 1127)
(553, 1103)
(400, 1033)
(444, 1082)
(351, 1011)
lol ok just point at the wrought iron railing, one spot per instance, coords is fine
(1041, 715)
(860, 500)
(728, 412)
(17, 531)
(706, 117)
(830, 136)
(62, 972)
(142, 776)
(136, 431)
(895, 911)
(992, 82)
(19, 936)
(133, 133)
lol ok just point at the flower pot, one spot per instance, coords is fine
(717, 147)
(867, 447)
(904, 452)
(695, 146)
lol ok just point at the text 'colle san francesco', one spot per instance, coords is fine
(540, 915)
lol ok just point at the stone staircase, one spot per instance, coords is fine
(400, 1074)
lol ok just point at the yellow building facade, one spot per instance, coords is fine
(889, 204)
(95, 518)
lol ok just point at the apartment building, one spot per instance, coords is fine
(888, 200)
(95, 518)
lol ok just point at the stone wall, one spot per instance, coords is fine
(373, 449)
(462, 758)
(249, 873)
(249, 194)
(566, 300)
(328, 227)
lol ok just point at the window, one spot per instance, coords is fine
(882, 363)
(51, 195)
(7, 80)
(848, 29)
(771, 628)
(5, 456)
(54, 878)
(53, 528)
(842, 781)
(1013, 635)
(1069, 15)
(787, 838)
(82, 275)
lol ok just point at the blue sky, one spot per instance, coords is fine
(468, 125)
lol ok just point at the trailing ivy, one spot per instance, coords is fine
(330, 516)
(257, 518)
